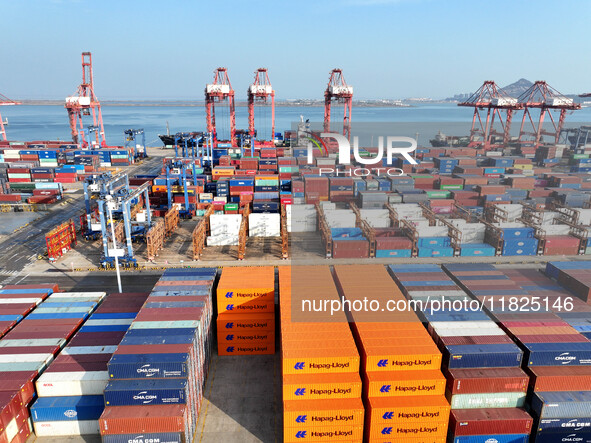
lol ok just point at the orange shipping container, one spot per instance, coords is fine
(255, 349)
(254, 307)
(245, 338)
(321, 386)
(230, 321)
(332, 433)
(427, 429)
(407, 410)
(402, 358)
(345, 411)
(404, 383)
(319, 361)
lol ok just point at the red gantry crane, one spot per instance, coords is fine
(489, 102)
(85, 102)
(5, 101)
(545, 98)
(260, 91)
(339, 91)
(219, 91)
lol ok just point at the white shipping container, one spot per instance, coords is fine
(77, 350)
(9, 343)
(10, 301)
(96, 295)
(11, 430)
(64, 384)
(376, 218)
(264, 225)
(222, 240)
(469, 332)
(65, 428)
(110, 321)
(22, 358)
(484, 324)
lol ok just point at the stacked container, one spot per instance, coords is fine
(246, 311)
(21, 359)
(403, 387)
(70, 391)
(481, 363)
(319, 361)
(158, 371)
(549, 343)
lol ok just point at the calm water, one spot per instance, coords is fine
(28, 122)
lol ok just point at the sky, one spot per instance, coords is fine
(168, 49)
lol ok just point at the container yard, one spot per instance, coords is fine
(331, 279)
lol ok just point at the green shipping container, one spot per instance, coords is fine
(488, 400)
(231, 207)
(26, 366)
(438, 194)
(22, 186)
(453, 187)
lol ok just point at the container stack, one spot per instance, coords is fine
(481, 363)
(21, 358)
(225, 229)
(471, 241)
(158, 371)
(549, 343)
(403, 387)
(32, 345)
(246, 311)
(301, 218)
(319, 361)
(70, 391)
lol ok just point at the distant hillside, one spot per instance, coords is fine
(512, 90)
(517, 88)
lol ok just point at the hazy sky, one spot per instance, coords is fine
(168, 49)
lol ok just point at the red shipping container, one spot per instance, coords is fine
(350, 248)
(553, 338)
(490, 421)
(486, 380)
(560, 378)
(144, 419)
(24, 387)
(110, 338)
(561, 245)
(475, 340)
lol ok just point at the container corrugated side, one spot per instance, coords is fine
(160, 437)
(323, 433)
(320, 412)
(66, 428)
(87, 407)
(575, 404)
(492, 438)
(488, 400)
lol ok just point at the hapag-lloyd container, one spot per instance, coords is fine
(489, 421)
(486, 380)
(346, 411)
(415, 409)
(404, 383)
(558, 354)
(575, 404)
(321, 386)
(329, 432)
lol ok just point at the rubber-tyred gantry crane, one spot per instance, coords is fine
(85, 102)
(489, 102)
(260, 91)
(339, 91)
(219, 91)
(545, 98)
(5, 101)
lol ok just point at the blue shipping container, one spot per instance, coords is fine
(74, 408)
(146, 392)
(558, 354)
(149, 365)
